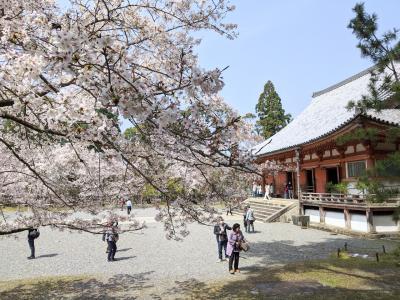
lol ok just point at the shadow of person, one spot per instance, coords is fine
(47, 255)
(124, 258)
(122, 250)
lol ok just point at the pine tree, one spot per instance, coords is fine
(384, 51)
(272, 117)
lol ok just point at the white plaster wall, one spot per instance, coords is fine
(335, 218)
(313, 213)
(360, 147)
(385, 223)
(335, 152)
(359, 222)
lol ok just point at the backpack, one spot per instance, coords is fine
(34, 234)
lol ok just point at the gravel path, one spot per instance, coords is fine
(149, 256)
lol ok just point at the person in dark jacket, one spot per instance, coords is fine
(33, 233)
(222, 238)
(111, 236)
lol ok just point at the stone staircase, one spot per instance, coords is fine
(269, 210)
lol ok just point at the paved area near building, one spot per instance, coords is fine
(147, 257)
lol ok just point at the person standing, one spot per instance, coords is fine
(267, 192)
(244, 218)
(235, 239)
(222, 238)
(290, 190)
(33, 234)
(250, 219)
(259, 191)
(122, 203)
(254, 189)
(129, 206)
(286, 193)
(229, 209)
(112, 238)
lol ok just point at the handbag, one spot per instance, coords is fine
(244, 246)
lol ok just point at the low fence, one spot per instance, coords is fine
(363, 252)
(333, 198)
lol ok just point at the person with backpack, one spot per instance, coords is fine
(129, 206)
(250, 219)
(111, 236)
(33, 233)
(235, 239)
(222, 238)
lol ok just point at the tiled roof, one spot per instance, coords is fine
(325, 114)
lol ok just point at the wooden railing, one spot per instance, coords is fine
(333, 198)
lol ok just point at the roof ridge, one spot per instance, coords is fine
(343, 82)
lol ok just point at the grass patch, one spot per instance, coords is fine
(333, 278)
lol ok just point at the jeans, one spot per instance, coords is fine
(31, 243)
(234, 259)
(113, 249)
(250, 223)
(229, 210)
(129, 208)
(222, 245)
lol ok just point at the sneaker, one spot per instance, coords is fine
(232, 272)
(31, 257)
(219, 260)
(237, 271)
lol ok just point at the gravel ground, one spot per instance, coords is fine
(148, 256)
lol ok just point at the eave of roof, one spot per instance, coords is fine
(341, 126)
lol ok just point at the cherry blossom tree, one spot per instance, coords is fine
(68, 77)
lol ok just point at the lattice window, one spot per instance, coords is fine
(356, 168)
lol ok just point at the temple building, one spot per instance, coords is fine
(316, 157)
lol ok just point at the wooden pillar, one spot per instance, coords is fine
(370, 221)
(264, 181)
(321, 215)
(347, 218)
(298, 174)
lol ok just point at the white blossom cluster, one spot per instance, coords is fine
(66, 80)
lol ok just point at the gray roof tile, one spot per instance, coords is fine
(326, 113)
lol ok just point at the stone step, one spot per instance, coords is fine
(261, 216)
(265, 211)
(266, 204)
(266, 207)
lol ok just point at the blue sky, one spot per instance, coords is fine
(302, 46)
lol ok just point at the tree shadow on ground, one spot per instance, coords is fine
(306, 276)
(284, 251)
(117, 287)
(281, 270)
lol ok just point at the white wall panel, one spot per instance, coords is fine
(359, 222)
(335, 218)
(313, 213)
(384, 223)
